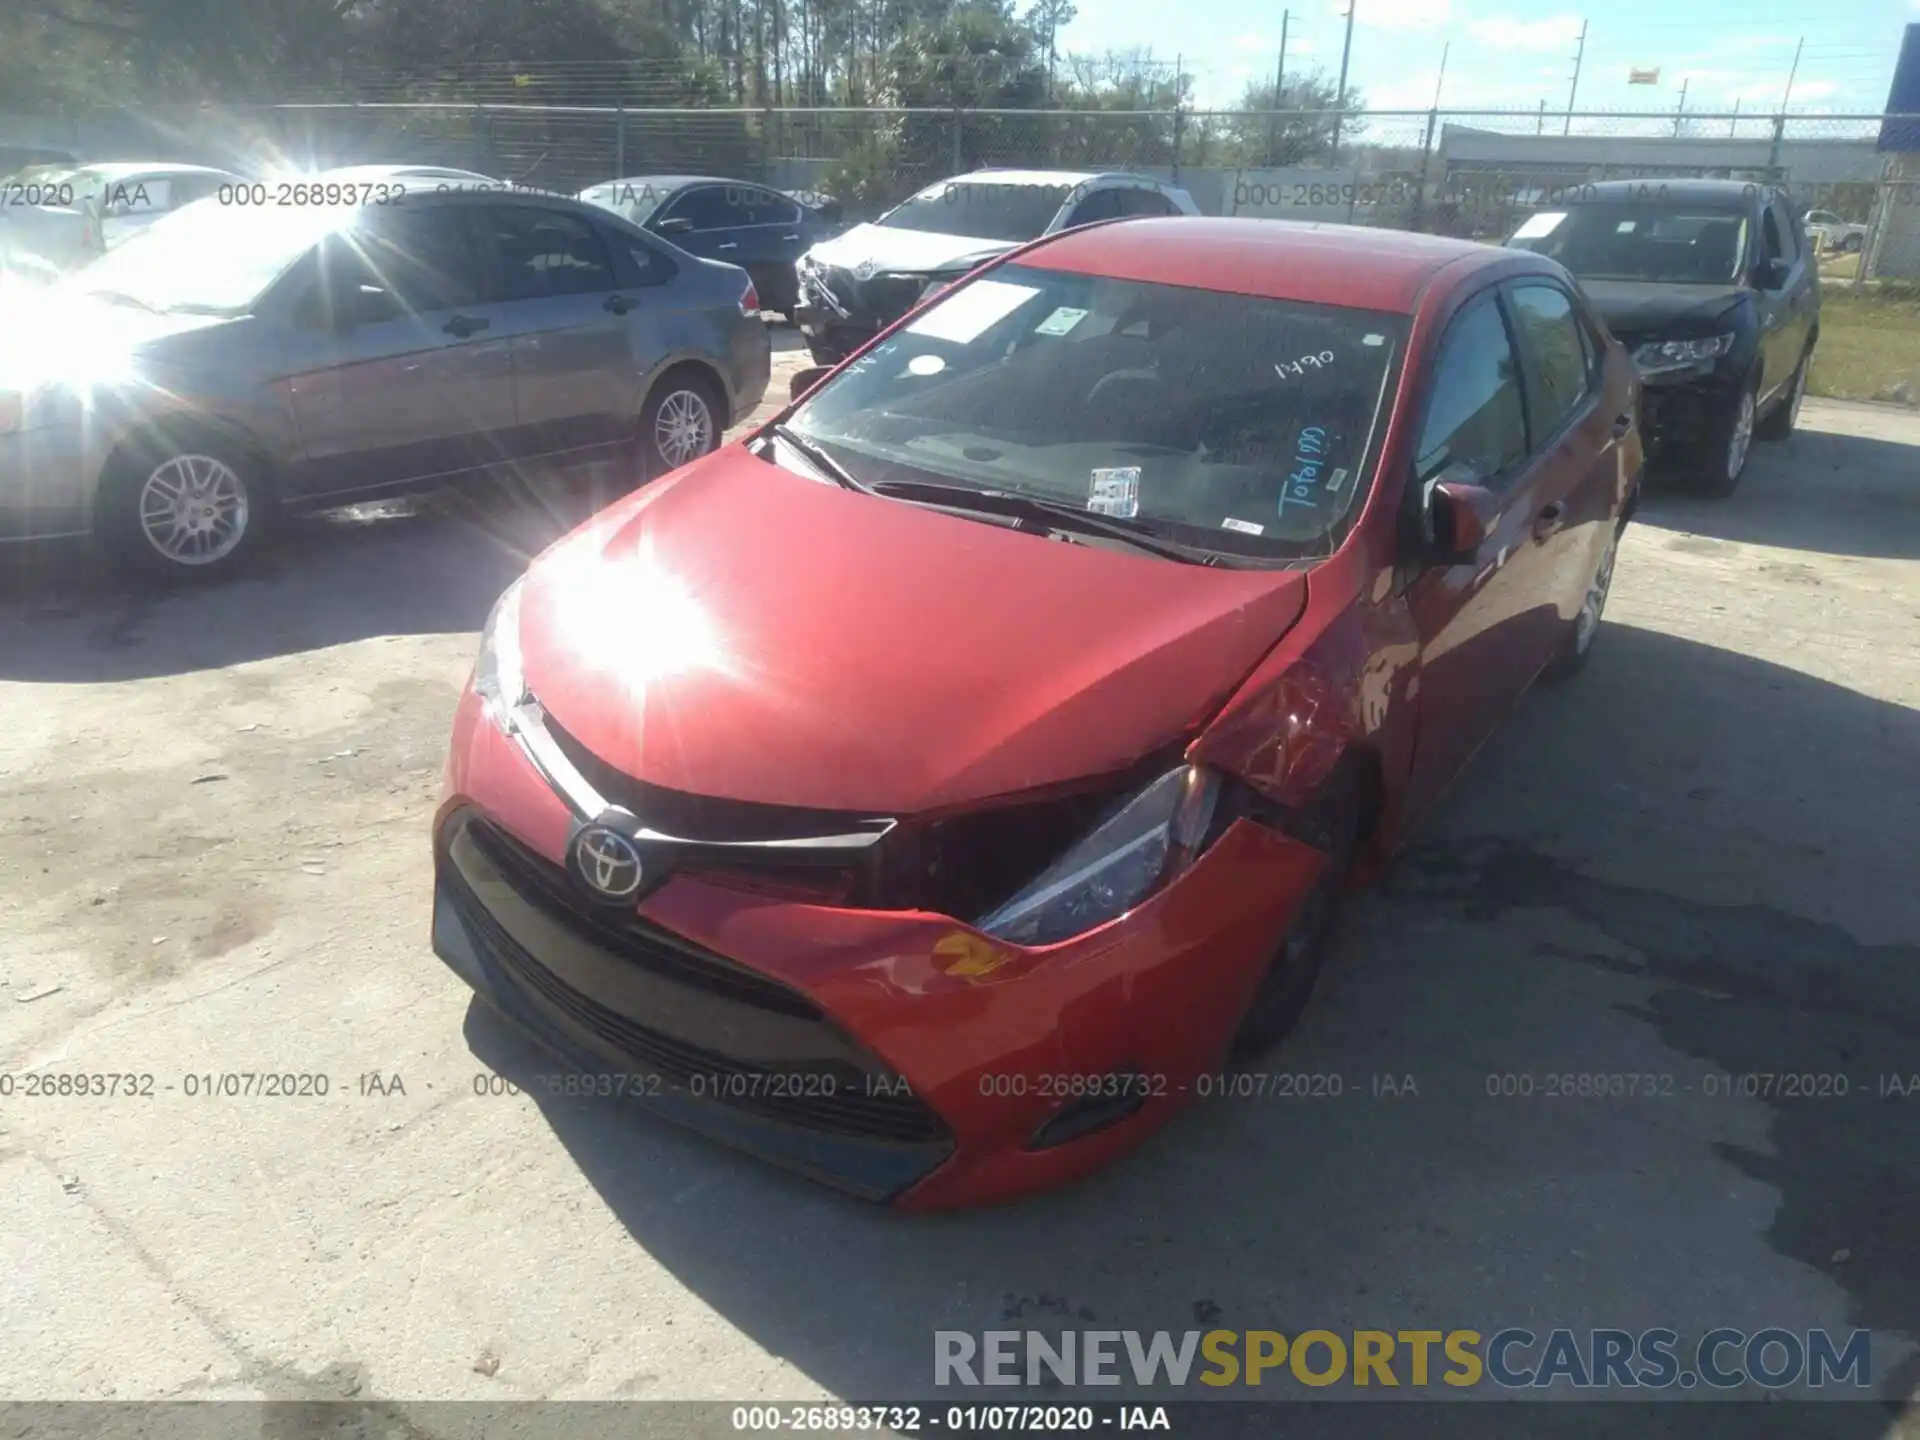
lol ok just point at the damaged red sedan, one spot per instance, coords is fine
(925, 792)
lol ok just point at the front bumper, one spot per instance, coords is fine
(956, 1059)
(46, 483)
(1678, 408)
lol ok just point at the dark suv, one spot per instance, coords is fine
(1714, 289)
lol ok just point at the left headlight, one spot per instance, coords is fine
(1670, 354)
(497, 678)
(1137, 849)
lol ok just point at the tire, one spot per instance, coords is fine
(1786, 414)
(1288, 984)
(1722, 460)
(1585, 628)
(1852, 245)
(823, 353)
(182, 509)
(683, 404)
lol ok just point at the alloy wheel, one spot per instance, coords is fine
(1742, 438)
(683, 427)
(1588, 621)
(193, 510)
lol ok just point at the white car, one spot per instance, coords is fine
(856, 284)
(1829, 232)
(54, 219)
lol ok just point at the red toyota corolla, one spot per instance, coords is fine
(931, 792)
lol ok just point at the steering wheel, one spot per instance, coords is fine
(1107, 383)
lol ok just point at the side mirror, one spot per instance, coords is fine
(1772, 274)
(675, 225)
(1461, 514)
(804, 381)
(365, 305)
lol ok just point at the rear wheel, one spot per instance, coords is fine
(679, 423)
(1723, 457)
(1852, 245)
(1288, 984)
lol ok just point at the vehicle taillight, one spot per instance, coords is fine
(749, 300)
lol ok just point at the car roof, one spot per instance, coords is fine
(1352, 265)
(391, 171)
(1683, 190)
(673, 182)
(1032, 177)
(119, 169)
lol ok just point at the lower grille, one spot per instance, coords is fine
(861, 1100)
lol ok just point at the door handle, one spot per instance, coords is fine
(728, 245)
(618, 304)
(789, 237)
(1622, 424)
(465, 325)
(1548, 520)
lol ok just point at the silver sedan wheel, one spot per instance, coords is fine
(683, 427)
(193, 510)
(1588, 621)
(1741, 440)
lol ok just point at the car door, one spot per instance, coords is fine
(1100, 205)
(1801, 293)
(771, 242)
(568, 311)
(397, 371)
(1478, 649)
(1777, 348)
(1576, 426)
(703, 220)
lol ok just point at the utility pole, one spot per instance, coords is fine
(1279, 90)
(1793, 73)
(1340, 101)
(1540, 120)
(1734, 124)
(1678, 114)
(1445, 50)
(1574, 89)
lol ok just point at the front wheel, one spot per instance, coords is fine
(679, 424)
(1586, 625)
(180, 511)
(1297, 960)
(1723, 458)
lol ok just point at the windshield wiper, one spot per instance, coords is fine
(1054, 514)
(819, 459)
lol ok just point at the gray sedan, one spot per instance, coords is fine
(235, 361)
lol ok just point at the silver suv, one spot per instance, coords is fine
(237, 360)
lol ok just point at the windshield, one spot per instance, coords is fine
(632, 200)
(210, 257)
(1632, 241)
(1219, 420)
(984, 209)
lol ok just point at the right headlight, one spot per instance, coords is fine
(497, 678)
(1128, 856)
(1672, 354)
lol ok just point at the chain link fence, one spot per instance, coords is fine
(1458, 172)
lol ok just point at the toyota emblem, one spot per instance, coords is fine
(607, 862)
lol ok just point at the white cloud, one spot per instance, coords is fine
(1504, 32)
(1399, 14)
(1251, 43)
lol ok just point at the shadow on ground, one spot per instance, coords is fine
(1821, 490)
(1503, 943)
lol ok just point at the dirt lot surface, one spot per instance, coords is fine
(1697, 860)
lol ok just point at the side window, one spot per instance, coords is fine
(1789, 234)
(189, 188)
(421, 257)
(1101, 205)
(139, 195)
(1474, 413)
(547, 253)
(649, 266)
(1145, 202)
(1773, 243)
(768, 208)
(705, 206)
(1558, 367)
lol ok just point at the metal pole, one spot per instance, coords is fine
(1279, 90)
(1540, 120)
(1340, 100)
(1573, 89)
(1681, 112)
(1445, 50)
(1179, 116)
(1791, 74)
(1734, 124)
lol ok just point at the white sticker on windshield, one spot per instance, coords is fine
(1115, 492)
(966, 314)
(1245, 527)
(1060, 321)
(1540, 225)
(1625, 227)
(1374, 340)
(926, 365)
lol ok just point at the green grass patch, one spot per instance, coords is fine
(1869, 344)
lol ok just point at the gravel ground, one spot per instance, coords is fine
(1696, 859)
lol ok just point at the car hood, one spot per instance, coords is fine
(743, 632)
(98, 343)
(1633, 307)
(911, 251)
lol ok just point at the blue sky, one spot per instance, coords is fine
(1507, 55)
